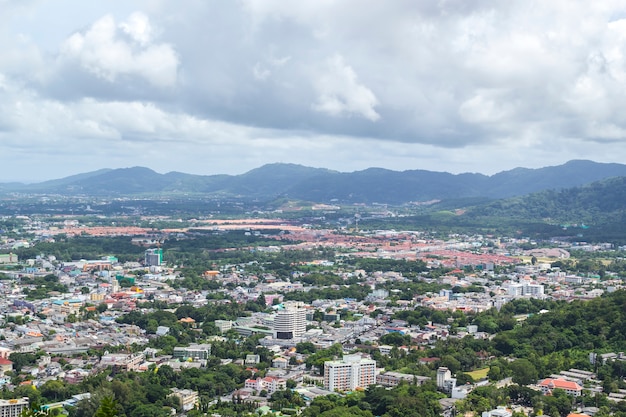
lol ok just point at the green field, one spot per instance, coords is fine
(479, 374)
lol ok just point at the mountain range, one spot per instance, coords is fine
(322, 185)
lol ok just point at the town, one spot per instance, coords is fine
(268, 316)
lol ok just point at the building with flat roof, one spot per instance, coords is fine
(350, 373)
(392, 379)
(196, 352)
(14, 407)
(153, 257)
(188, 398)
(290, 323)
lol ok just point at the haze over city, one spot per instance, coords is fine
(212, 87)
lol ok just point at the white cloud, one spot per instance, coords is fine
(446, 85)
(341, 94)
(102, 51)
(138, 27)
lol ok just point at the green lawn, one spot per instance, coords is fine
(479, 374)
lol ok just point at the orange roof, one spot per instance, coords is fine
(559, 383)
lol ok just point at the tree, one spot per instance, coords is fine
(524, 372)
(108, 408)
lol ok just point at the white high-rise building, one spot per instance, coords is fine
(443, 374)
(290, 323)
(350, 373)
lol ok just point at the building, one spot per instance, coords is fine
(195, 352)
(392, 379)
(290, 323)
(270, 384)
(445, 382)
(350, 373)
(5, 366)
(498, 412)
(570, 387)
(13, 408)
(224, 325)
(280, 363)
(125, 361)
(153, 257)
(188, 398)
(443, 374)
(526, 290)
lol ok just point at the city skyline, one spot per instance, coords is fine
(226, 87)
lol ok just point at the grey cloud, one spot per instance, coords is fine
(450, 75)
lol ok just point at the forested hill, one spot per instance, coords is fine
(597, 208)
(321, 185)
(568, 332)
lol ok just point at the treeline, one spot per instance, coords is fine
(406, 400)
(85, 247)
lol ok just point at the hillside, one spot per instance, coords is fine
(373, 185)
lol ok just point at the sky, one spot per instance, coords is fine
(222, 87)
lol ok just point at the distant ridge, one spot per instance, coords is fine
(322, 185)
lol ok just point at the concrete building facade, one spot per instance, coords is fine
(350, 373)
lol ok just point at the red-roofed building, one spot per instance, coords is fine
(570, 387)
(5, 365)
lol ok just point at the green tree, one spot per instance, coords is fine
(524, 372)
(108, 408)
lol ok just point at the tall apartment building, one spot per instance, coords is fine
(13, 408)
(445, 382)
(350, 373)
(290, 323)
(153, 257)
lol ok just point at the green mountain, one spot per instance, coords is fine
(373, 185)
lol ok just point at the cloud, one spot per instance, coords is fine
(103, 51)
(448, 84)
(340, 93)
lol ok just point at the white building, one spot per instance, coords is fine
(270, 384)
(290, 323)
(224, 325)
(352, 372)
(443, 374)
(445, 382)
(13, 408)
(526, 290)
(195, 352)
(498, 412)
